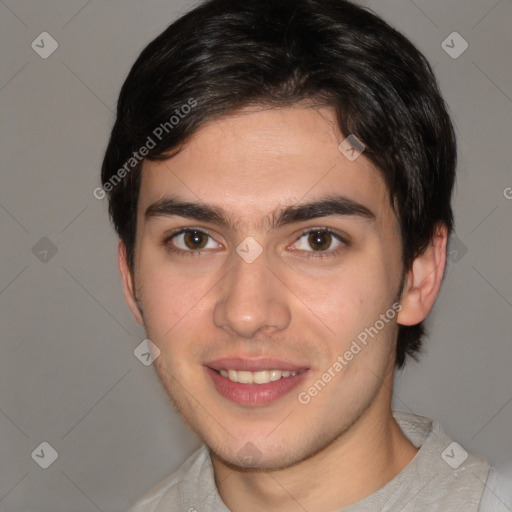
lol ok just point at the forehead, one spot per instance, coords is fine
(260, 158)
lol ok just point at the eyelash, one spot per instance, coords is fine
(314, 254)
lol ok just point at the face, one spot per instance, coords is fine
(260, 285)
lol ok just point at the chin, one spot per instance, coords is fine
(261, 454)
(250, 458)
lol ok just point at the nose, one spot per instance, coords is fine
(252, 298)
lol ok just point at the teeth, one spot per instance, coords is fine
(275, 375)
(245, 377)
(262, 377)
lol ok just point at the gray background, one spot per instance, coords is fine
(68, 374)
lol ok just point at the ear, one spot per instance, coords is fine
(423, 280)
(128, 282)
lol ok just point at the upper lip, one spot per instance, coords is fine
(252, 365)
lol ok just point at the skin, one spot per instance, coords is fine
(344, 444)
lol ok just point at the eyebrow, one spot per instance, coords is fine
(323, 207)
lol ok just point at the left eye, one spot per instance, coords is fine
(319, 239)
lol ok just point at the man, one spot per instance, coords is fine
(280, 176)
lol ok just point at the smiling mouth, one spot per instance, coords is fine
(259, 377)
(254, 383)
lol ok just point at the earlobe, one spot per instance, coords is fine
(128, 282)
(423, 280)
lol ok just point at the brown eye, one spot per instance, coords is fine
(320, 240)
(195, 239)
(190, 242)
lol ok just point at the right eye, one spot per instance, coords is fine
(189, 242)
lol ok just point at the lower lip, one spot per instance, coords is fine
(254, 394)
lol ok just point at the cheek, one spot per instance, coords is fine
(170, 300)
(350, 299)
